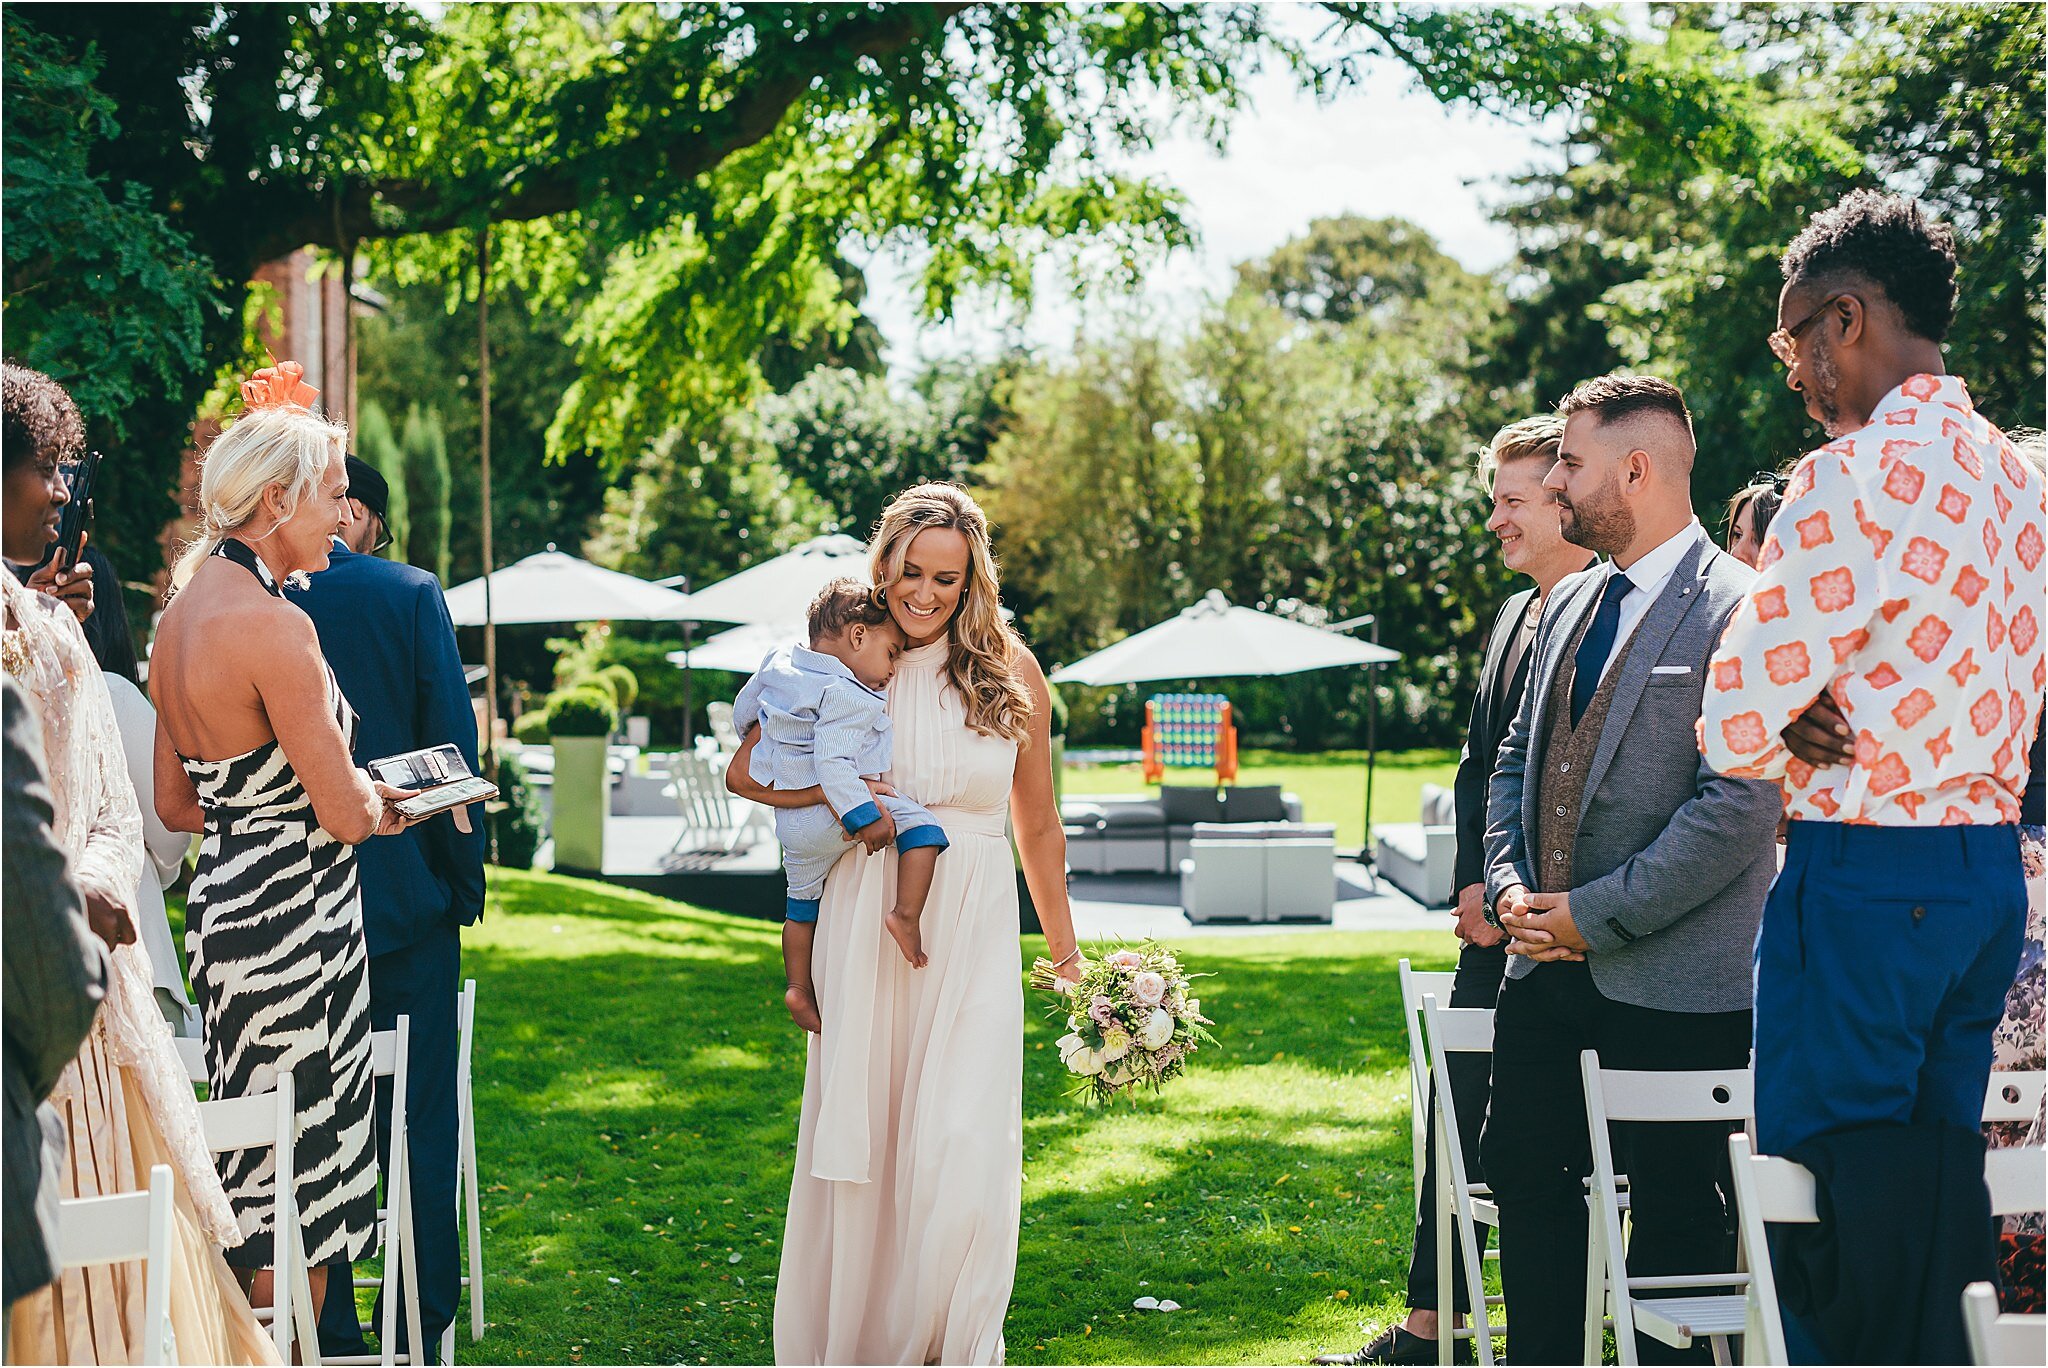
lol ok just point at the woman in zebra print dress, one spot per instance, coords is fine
(274, 917)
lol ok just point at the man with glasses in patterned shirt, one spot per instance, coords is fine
(1899, 599)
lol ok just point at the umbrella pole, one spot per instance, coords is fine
(483, 359)
(1372, 752)
(689, 692)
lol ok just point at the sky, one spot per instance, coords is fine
(1381, 147)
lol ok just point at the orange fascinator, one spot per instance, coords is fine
(280, 386)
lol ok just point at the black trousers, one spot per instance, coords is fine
(421, 980)
(1536, 1153)
(1480, 970)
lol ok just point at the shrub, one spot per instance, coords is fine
(582, 710)
(532, 727)
(515, 816)
(602, 683)
(625, 684)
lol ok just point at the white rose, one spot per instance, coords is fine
(1148, 988)
(1069, 1044)
(1157, 1030)
(1115, 1044)
(1085, 1062)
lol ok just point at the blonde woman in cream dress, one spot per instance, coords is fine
(901, 1240)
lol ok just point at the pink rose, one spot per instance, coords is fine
(1128, 959)
(1148, 988)
(1102, 1011)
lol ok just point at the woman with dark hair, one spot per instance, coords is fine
(1750, 513)
(125, 1102)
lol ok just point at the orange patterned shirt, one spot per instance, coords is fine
(1904, 574)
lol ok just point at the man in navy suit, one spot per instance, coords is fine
(385, 629)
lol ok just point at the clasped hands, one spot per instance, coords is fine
(1540, 925)
(877, 835)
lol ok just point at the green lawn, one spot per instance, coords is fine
(637, 1095)
(1331, 783)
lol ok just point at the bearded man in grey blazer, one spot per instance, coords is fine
(1629, 876)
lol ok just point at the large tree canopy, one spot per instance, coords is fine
(700, 166)
(676, 186)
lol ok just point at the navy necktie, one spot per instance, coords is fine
(1594, 647)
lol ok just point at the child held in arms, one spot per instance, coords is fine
(824, 725)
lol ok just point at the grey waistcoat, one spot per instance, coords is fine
(1669, 861)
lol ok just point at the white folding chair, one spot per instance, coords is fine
(1770, 1190)
(705, 806)
(192, 1054)
(120, 1229)
(268, 1121)
(2001, 1338)
(1723, 1095)
(1462, 1206)
(2015, 1095)
(467, 1201)
(719, 716)
(1415, 983)
(390, 1055)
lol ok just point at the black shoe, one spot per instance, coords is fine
(1396, 1345)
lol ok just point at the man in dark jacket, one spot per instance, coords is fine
(1525, 520)
(56, 975)
(385, 629)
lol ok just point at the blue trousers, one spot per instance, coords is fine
(1881, 970)
(422, 980)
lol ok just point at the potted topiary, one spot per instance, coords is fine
(532, 728)
(581, 720)
(603, 683)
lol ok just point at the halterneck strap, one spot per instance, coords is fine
(243, 555)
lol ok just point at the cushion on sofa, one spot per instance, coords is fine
(1081, 814)
(1439, 806)
(1258, 803)
(1146, 816)
(1184, 804)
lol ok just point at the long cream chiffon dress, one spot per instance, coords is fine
(125, 1101)
(901, 1241)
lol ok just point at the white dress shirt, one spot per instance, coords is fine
(1651, 572)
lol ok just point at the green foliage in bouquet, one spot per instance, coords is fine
(1131, 1020)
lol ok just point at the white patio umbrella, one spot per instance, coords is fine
(1215, 639)
(780, 589)
(553, 586)
(776, 592)
(740, 649)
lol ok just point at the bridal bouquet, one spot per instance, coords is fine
(1130, 1019)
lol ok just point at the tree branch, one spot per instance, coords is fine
(364, 209)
